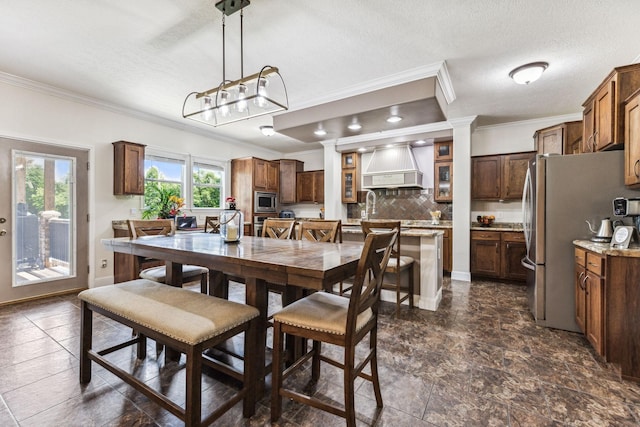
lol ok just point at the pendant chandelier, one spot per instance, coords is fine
(252, 96)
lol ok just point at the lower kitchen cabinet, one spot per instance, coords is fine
(607, 301)
(447, 250)
(497, 254)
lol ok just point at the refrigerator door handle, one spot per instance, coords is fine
(527, 198)
(528, 264)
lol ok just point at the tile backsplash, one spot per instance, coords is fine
(403, 204)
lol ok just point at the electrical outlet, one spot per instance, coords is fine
(103, 263)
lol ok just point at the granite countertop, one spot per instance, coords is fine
(605, 249)
(405, 232)
(498, 226)
(407, 223)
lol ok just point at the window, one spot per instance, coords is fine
(169, 175)
(206, 185)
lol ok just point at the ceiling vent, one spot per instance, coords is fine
(392, 167)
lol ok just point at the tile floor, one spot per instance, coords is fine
(479, 360)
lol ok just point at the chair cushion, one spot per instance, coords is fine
(320, 311)
(405, 261)
(184, 315)
(159, 274)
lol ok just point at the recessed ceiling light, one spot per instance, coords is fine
(421, 141)
(394, 119)
(267, 130)
(319, 132)
(362, 149)
(389, 145)
(528, 73)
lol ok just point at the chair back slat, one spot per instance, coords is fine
(151, 227)
(320, 230)
(367, 284)
(378, 226)
(212, 224)
(276, 228)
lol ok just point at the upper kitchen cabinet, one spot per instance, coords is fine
(499, 177)
(632, 141)
(288, 177)
(128, 168)
(310, 186)
(603, 115)
(443, 151)
(443, 176)
(563, 138)
(265, 175)
(350, 177)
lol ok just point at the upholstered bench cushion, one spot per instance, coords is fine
(181, 314)
(320, 311)
(159, 274)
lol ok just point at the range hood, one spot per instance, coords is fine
(392, 167)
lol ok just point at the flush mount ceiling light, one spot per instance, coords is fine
(354, 125)
(320, 131)
(267, 130)
(528, 73)
(256, 95)
(394, 119)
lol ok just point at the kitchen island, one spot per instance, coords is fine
(425, 247)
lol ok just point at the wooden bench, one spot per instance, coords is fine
(184, 320)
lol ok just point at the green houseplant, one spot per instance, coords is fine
(163, 201)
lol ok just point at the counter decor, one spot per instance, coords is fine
(231, 223)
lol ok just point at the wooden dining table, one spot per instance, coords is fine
(296, 264)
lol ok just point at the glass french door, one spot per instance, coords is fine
(43, 219)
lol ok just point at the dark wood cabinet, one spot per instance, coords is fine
(265, 175)
(581, 289)
(513, 250)
(499, 177)
(443, 151)
(497, 254)
(128, 168)
(350, 177)
(603, 114)
(589, 289)
(447, 250)
(485, 253)
(443, 181)
(310, 186)
(288, 178)
(632, 141)
(563, 138)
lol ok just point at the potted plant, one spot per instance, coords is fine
(163, 202)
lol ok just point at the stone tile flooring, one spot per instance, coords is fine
(479, 360)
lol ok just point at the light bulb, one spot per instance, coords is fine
(207, 112)
(260, 100)
(222, 102)
(241, 106)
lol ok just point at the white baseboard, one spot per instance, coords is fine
(463, 276)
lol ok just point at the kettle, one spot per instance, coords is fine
(605, 231)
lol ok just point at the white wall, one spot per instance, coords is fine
(42, 116)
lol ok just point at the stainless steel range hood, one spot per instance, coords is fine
(392, 167)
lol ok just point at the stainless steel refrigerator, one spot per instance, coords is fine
(560, 194)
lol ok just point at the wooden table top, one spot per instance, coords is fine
(295, 262)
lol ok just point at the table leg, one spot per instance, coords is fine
(257, 296)
(218, 284)
(174, 278)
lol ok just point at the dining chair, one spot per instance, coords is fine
(154, 227)
(334, 319)
(398, 265)
(278, 228)
(320, 230)
(212, 224)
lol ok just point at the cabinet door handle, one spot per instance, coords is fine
(588, 144)
(635, 168)
(595, 141)
(583, 284)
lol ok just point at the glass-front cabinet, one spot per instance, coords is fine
(443, 185)
(350, 177)
(443, 151)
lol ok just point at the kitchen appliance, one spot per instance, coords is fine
(258, 222)
(560, 193)
(604, 233)
(628, 207)
(264, 202)
(287, 214)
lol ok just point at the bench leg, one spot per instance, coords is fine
(141, 348)
(251, 369)
(193, 404)
(86, 333)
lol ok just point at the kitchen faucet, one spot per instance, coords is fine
(370, 205)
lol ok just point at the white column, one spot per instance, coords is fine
(462, 130)
(332, 178)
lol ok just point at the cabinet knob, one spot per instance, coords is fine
(635, 168)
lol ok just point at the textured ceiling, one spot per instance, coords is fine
(147, 55)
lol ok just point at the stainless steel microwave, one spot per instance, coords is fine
(264, 202)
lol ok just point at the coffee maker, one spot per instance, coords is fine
(628, 207)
